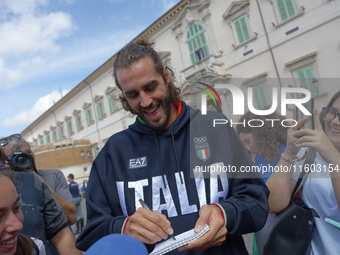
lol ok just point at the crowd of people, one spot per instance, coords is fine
(173, 145)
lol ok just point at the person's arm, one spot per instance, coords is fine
(57, 230)
(68, 207)
(281, 183)
(64, 242)
(318, 140)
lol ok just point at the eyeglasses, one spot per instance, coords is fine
(329, 114)
(4, 141)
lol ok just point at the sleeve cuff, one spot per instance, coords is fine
(124, 225)
(224, 215)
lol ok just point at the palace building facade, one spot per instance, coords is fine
(266, 48)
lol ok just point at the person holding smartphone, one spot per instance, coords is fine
(321, 187)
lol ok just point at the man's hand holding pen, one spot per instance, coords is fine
(148, 226)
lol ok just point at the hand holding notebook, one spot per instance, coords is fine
(181, 239)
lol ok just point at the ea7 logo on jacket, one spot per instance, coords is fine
(202, 147)
(138, 162)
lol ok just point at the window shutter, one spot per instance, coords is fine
(196, 42)
(54, 135)
(286, 9)
(110, 104)
(69, 129)
(242, 29)
(290, 8)
(239, 31)
(306, 77)
(99, 111)
(245, 28)
(259, 97)
(78, 123)
(88, 121)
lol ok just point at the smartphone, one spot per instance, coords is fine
(300, 115)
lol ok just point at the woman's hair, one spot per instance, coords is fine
(134, 52)
(25, 245)
(269, 138)
(331, 102)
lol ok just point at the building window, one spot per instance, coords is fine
(100, 110)
(69, 128)
(47, 138)
(41, 140)
(78, 122)
(88, 113)
(54, 135)
(113, 103)
(197, 43)
(286, 9)
(308, 80)
(61, 132)
(242, 29)
(305, 73)
(89, 117)
(260, 100)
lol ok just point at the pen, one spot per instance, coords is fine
(333, 223)
(147, 207)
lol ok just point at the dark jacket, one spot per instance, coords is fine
(159, 167)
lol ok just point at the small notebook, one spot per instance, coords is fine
(181, 239)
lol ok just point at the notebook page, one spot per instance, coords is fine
(181, 239)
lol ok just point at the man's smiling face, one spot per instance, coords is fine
(147, 93)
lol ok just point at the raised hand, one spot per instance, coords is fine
(317, 139)
(293, 135)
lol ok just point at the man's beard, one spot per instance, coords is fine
(166, 103)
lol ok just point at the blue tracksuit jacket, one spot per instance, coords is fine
(171, 171)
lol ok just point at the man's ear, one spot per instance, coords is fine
(166, 75)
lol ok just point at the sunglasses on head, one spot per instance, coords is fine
(4, 141)
(329, 114)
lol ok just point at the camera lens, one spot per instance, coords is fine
(22, 162)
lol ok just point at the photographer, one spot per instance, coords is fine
(43, 215)
(54, 178)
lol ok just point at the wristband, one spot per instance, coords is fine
(288, 160)
(124, 225)
(224, 215)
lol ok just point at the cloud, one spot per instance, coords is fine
(28, 116)
(29, 37)
(19, 6)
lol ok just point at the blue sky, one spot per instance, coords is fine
(49, 46)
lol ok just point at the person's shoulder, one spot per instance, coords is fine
(44, 172)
